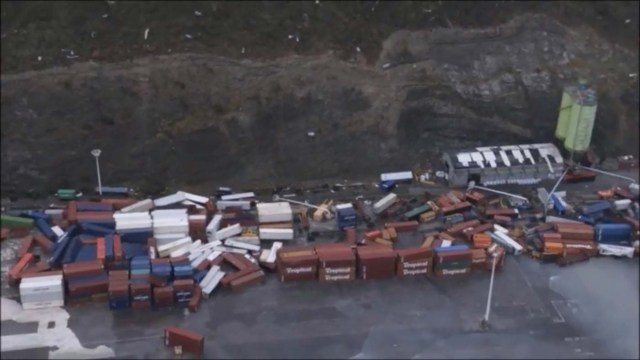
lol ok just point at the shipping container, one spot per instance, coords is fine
(596, 207)
(384, 203)
(615, 234)
(401, 176)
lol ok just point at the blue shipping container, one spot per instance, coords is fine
(95, 230)
(45, 229)
(451, 248)
(387, 186)
(87, 253)
(94, 207)
(617, 234)
(35, 215)
(108, 247)
(118, 303)
(59, 249)
(138, 236)
(558, 205)
(72, 250)
(107, 223)
(132, 249)
(596, 207)
(114, 190)
(197, 277)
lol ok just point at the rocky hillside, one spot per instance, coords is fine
(204, 115)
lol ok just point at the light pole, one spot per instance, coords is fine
(472, 185)
(485, 321)
(96, 153)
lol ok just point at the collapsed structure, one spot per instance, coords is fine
(496, 165)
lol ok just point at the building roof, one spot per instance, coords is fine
(506, 156)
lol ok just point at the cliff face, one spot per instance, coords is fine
(196, 120)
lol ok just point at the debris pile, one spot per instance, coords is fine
(176, 250)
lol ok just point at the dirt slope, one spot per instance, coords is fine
(206, 117)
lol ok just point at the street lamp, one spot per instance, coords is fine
(485, 321)
(96, 153)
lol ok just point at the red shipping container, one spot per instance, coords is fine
(117, 247)
(403, 226)
(233, 259)
(350, 236)
(458, 228)
(372, 235)
(16, 270)
(194, 302)
(254, 278)
(100, 250)
(25, 274)
(5, 234)
(119, 203)
(191, 342)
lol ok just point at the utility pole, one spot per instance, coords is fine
(485, 321)
(96, 153)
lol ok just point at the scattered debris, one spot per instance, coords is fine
(188, 36)
(39, 58)
(104, 16)
(197, 13)
(93, 34)
(386, 66)
(627, 21)
(290, 36)
(357, 48)
(311, 134)
(297, 38)
(146, 33)
(633, 75)
(242, 51)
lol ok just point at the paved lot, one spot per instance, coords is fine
(588, 310)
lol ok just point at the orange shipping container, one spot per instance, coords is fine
(481, 241)
(553, 247)
(100, 250)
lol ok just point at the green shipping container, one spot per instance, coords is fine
(9, 221)
(409, 215)
(583, 116)
(564, 115)
(66, 194)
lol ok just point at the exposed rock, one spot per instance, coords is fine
(187, 120)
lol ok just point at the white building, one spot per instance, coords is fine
(496, 165)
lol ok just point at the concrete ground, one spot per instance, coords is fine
(587, 310)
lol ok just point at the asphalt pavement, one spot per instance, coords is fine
(587, 310)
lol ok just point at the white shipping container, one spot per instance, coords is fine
(169, 199)
(239, 196)
(118, 216)
(500, 229)
(169, 213)
(274, 212)
(213, 284)
(276, 234)
(244, 205)
(254, 240)
(384, 203)
(57, 230)
(508, 242)
(616, 250)
(42, 297)
(197, 217)
(274, 252)
(264, 255)
(213, 226)
(214, 255)
(43, 305)
(166, 249)
(167, 238)
(141, 206)
(230, 249)
(228, 232)
(177, 252)
(134, 225)
(623, 204)
(210, 275)
(195, 198)
(242, 245)
(397, 176)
